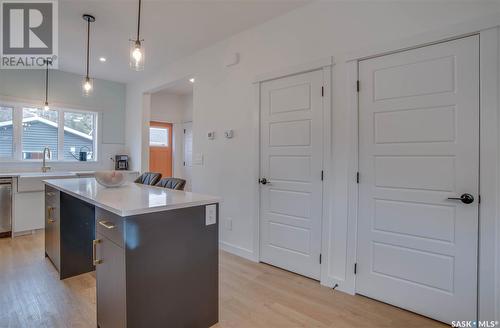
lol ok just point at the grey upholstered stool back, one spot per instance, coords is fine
(148, 178)
(172, 183)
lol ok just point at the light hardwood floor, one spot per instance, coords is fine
(251, 295)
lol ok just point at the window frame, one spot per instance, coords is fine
(17, 131)
(3, 159)
(158, 145)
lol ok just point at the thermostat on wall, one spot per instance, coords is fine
(228, 134)
(211, 135)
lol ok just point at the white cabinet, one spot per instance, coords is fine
(28, 211)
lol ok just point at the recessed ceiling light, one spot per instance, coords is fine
(102, 59)
(192, 80)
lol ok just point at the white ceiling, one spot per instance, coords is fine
(171, 29)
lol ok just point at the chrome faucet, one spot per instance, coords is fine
(46, 150)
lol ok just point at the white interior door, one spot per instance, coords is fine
(291, 163)
(188, 154)
(418, 146)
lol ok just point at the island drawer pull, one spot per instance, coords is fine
(49, 214)
(107, 224)
(94, 251)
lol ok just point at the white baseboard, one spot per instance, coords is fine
(25, 232)
(237, 250)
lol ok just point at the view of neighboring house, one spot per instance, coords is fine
(38, 130)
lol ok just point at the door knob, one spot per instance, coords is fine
(263, 181)
(465, 198)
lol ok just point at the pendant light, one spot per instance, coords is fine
(137, 52)
(46, 104)
(88, 83)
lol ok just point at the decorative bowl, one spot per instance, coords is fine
(110, 179)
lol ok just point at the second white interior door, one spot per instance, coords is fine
(419, 147)
(291, 164)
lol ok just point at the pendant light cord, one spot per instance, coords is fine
(139, 22)
(46, 82)
(88, 46)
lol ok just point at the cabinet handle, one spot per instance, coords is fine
(49, 214)
(50, 194)
(94, 251)
(107, 224)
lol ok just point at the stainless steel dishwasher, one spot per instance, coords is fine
(5, 207)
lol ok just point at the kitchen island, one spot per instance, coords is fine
(155, 250)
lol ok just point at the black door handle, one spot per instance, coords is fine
(263, 181)
(465, 198)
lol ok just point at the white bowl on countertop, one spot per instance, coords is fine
(110, 179)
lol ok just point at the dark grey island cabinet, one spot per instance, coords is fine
(155, 251)
(157, 269)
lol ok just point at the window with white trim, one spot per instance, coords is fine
(158, 137)
(26, 130)
(79, 136)
(40, 130)
(6, 135)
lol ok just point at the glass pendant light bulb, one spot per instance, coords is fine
(137, 56)
(137, 49)
(87, 86)
(46, 104)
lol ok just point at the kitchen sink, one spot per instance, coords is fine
(33, 181)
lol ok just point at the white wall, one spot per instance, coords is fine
(225, 98)
(187, 104)
(166, 107)
(176, 109)
(65, 90)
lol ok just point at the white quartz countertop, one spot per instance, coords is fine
(131, 198)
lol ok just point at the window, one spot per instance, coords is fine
(25, 131)
(79, 136)
(40, 130)
(158, 137)
(6, 133)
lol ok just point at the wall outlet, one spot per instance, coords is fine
(210, 214)
(229, 224)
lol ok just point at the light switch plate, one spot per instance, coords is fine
(197, 159)
(210, 214)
